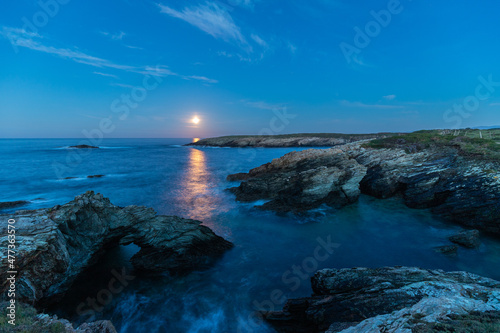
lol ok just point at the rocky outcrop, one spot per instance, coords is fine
(55, 245)
(28, 320)
(391, 299)
(455, 187)
(291, 140)
(303, 180)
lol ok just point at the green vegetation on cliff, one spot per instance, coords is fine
(483, 144)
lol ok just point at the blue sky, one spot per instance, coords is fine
(123, 68)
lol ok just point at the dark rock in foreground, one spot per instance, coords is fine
(458, 188)
(55, 245)
(391, 299)
(28, 320)
(84, 147)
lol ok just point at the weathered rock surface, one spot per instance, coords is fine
(455, 187)
(55, 245)
(303, 180)
(391, 299)
(292, 140)
(28, 320)
(466, 238)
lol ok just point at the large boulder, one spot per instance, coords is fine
(390, 299)
(55, 245)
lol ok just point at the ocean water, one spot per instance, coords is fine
(274, 255)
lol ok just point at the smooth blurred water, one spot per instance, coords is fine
(190, 182)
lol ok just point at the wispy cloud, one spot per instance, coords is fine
(210, 18)
(263, 105)
(133, 47)
(114, 36)
(259, 41)
(370, 106)
(291, 47)
(106, 74)
(389, 97)
(21, 38)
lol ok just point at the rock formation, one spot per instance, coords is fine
(391, 299)
(55, 245)
(28, 320)
(455, 187)
(303, 180)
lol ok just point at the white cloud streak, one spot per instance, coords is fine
(21, 38)
(210, 18)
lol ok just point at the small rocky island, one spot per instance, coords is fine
(55, 245)
(392, 299)
(84, 147)
(456, 177)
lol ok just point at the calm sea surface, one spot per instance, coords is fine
(272, 254)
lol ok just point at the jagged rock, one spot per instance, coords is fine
(55, 245)
(466, 238)
(387, 299)
(452, 186)
(303, 180)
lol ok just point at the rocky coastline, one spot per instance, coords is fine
(457, 187)
(392, 299)
(290, 140)
(55, 245)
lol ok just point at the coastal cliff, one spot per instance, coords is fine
(288, 140)
(455, 181)
(55, 245)
(392, 299)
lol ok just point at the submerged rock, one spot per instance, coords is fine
(467, 238)
(95, 176)
(55, 245)
(391, 299)
(450, 250)
(13, 204)
(84, 147)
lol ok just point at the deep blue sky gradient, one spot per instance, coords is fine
(237, 63)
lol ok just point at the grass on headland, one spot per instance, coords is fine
(27, 321)
(483, 144)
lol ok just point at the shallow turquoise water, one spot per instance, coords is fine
(273, 254)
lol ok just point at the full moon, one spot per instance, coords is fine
(195, 120)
